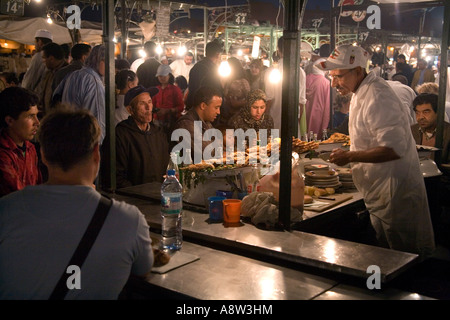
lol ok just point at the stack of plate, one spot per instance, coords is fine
(317, 167)
(322, 179)
(345, 177)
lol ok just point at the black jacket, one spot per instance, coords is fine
(146, 73)
(203, 73)
(141, 156)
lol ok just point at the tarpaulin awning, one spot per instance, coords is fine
(23, 31)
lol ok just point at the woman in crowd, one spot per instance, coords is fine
(125, 80)
(253, 115)
(169, 100)
(255, 74)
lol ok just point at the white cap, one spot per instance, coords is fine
(345, 57)
(163, 70)
(42, 33)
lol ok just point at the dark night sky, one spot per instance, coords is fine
(265, 10)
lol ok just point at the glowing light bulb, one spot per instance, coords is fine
(49, 20)
(239, 53)
(159, 49)
(224, 69)
(182, 50)
(142, 53)
(275, 76)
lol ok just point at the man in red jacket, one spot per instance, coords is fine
(18, 125)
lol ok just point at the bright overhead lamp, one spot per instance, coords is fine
(275, 76)
(142, 53)
(181, 51)
(159, 49)
(224, 69)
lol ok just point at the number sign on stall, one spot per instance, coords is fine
(12, 7)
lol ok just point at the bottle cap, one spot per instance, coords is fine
(170, 172)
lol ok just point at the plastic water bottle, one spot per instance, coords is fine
(171, 208)
(173, 163)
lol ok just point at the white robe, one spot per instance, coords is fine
(394, 191)
(274, 93)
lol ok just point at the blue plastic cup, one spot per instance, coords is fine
(216, 209)
(224, 193)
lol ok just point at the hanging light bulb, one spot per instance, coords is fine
(240, 53)
(49, 20)
(275, 76)
(159, 49)
(142, 53)
(181, 50)
(224, 69)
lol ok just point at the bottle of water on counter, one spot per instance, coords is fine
(171, 208)
(173, 163)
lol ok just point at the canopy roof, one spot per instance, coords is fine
(23, 31)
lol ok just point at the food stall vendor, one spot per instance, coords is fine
(383, 155)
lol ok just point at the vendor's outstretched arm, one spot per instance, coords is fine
(374, 155)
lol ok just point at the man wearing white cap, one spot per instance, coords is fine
(383, 156)
(37, 68)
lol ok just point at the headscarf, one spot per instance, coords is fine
(244, 118)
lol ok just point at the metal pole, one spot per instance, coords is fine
(271, 47)
(289, 103)
(205, 29)
(109, 144)
(226, 40)
(123, 29)
(332, 46)
(442, 82)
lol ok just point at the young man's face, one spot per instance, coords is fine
(38, 44)
(25, 127)
(426, 117)
(212, 110)
(49, 61)
(188, 60)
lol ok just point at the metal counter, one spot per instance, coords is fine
(305, 249)
(220, 275)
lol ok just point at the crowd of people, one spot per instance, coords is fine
(56, 162)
